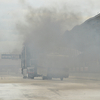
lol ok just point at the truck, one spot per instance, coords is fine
(47, 66)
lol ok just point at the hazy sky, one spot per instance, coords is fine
(13, 10)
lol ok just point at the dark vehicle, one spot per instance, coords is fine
(47, 66)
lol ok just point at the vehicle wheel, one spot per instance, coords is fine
(43, 77)
(61, 78)
(24, 77)
(32, 77)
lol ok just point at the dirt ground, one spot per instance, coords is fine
(16, 88)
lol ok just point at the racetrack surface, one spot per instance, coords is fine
(16, 88)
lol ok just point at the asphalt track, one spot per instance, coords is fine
(16, 88)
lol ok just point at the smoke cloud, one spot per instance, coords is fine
(44, 28)
(48, 31)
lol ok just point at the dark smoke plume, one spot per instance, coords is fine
(44, 28)
(43, 31)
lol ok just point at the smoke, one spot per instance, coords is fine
(44, 28)
(44, 33)
(86, 38)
